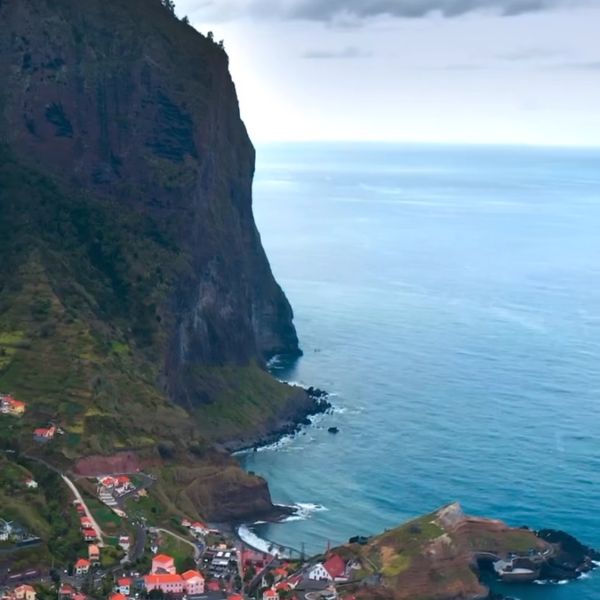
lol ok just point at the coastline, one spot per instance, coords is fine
(312, 401)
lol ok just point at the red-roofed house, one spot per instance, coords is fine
(86, 523)
(213, 586)
(168, 583)
(194, 582)
(235, 597)
(93, 553)
(333, 569)
(270, 594)
(199, 528)
(185, 523)
(162, 563)
(90, 535)
(43, 434)
(82, 566)
(336, 567)
(124, 585)
(65, 591)
(10, 406)
(117, 596)
(78, 596)
(24, 592)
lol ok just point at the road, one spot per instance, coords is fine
(88, 513)
(197, 553)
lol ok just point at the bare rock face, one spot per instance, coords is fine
(124, 101)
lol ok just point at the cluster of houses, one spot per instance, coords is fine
(88, 531)
(10, 406)
(110, 489)
(163, 576)
(22, 592)
(68, 592)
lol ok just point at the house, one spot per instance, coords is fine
(270, 594)
(168, 583)
(86, 523)
(78, 596)
(44, 434)
(117, 596)
(65, 591)
(199, 528)
(10, 406)
(334, 569)
(162, 563)
(213, 586)
(186, 523)
(90, 535)
(193, 582)
(82, 566)
(235, 597)
(107, 482)
(124, 542)
(124, 585)
(93, 553)
(79, 508)
(6, 530)
(123, 484)
(31, 483)
(24, 592)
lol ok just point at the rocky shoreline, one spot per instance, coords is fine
(313, 401)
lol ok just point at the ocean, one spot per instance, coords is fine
(449, 299)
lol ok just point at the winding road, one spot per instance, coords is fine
(88, 513)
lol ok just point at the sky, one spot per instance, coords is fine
(450, 71)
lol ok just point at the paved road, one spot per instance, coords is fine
(87, 510)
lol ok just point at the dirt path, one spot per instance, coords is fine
(182, 539)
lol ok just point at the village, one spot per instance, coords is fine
(213, 566)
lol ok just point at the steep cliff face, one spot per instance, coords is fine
(124, 101)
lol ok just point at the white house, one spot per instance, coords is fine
(318, 572)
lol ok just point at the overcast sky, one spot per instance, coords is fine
(484, 71)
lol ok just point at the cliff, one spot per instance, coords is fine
(137, 306)
(441, 556)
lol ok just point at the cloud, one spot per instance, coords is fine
(348, 10)
(347, 52)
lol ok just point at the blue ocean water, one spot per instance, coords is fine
(450, 298)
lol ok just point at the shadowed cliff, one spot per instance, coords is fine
(137, 306)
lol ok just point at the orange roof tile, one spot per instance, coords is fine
(158, 579)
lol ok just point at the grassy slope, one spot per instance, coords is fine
(423, 559)
(82, 325)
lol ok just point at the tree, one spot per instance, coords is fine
(211, 36)
(170, 4)
(185, 20)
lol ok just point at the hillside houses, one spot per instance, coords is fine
(22, 592)
(11, 406)
(164, 577)
(333, 569)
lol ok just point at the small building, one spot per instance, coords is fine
(124, 585)
(199, 528)
(65, 591)
(270, 594)
(31, 483)
(117, 596)
(185, 523)
(90, 535)
(82, 566)
(167, 583)
(124, 542)
(163, 563)
(86, 523)
(24, 592)
(333, 569)
(193, 582)
(44, 434)
(93, 553)
(10, 406)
